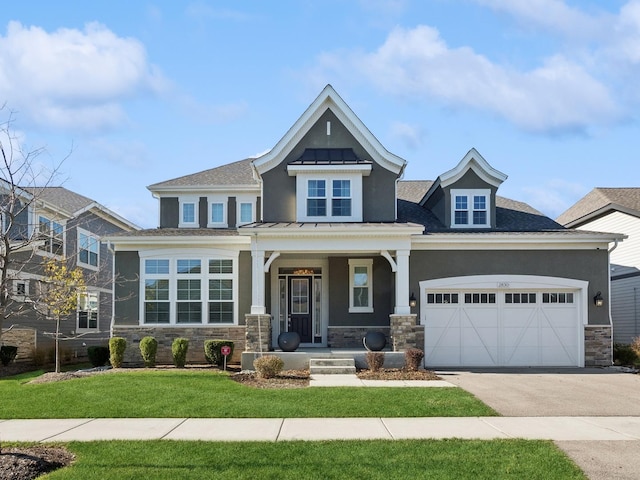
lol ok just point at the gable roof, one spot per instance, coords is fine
(471, 161)
(600, 201)
(231, 174)
(329, 99)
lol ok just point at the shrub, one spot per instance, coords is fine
(179, 349)
(623, 354)
(117, 346)
(39, 356)
(148, 349)
(413, 358)
(212, 351)
(635, 346)
(8, 354)
(375, 360)
(268, 366)
(98, 355)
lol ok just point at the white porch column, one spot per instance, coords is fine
(257, 282)
(402, 283)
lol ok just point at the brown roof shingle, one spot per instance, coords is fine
(599, 199)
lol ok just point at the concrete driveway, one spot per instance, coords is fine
(565, 392)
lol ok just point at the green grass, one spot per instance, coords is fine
(438, 459)
(181, 393)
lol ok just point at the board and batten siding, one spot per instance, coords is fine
(625, 308)
(628, 251)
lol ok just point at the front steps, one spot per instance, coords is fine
(337, 366)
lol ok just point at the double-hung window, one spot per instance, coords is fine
(317, 198)
(192, 291)
(51, 236)
(341, 198)
(360, 285)
(470, 208)
(189, 212)
(88, 311)
(88, 249)
(217, 212)
(157, 304)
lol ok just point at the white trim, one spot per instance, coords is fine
(245, 199)
(302, 195)
(189, 200)
(360, 169)
(361, 262)
(92, 237)
(469, 193)
(224, 201)
(88, 291)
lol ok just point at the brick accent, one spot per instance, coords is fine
(406, 333)
(165, 337)
(598, 346)
(257, 333)
(352, 337)
(24, 339)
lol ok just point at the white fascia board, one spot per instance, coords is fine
(129, 244)
(333, 229)
(108, 215)
(294, 170)
(476, 162)
(202, 190)
(329, 98)
(549, 241)
(335, 244)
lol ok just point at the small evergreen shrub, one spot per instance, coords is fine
(268, 366)
(413, 359)
(148, 349)
(375, 360)
(117, 346)
(8, 354)
(624, 354)
(212, 351)
(179, 349)
(98, 355)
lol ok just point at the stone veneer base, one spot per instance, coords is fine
(598, 346)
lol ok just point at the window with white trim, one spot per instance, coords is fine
(470, 208)
(341, 198)
(329, 197)
(316, 198)
(88, 311)
(217, 212)
(360, 285)
(189, 291)
(189, 212)
(88, 249)
(557, 297)
(51, 236)
(245, 213)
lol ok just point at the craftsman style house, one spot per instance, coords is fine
(56, 223)
(615, 210)
(321, 236)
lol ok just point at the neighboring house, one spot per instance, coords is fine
(616, 210)
(54, 222)
(321, 236)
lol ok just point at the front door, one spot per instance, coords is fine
(300, 307)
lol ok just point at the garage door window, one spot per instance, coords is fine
(475, 298)
(519, 298)
(439, 298)
(557, 297)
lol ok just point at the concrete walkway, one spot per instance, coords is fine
(347, 380)
(611, 429)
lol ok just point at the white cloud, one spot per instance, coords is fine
(213, 114)
(554, 197)
(71, 78)
(410, 135)
(560, 95)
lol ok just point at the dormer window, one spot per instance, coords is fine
(341, 201)
(217, 212)
(188, 212)
(470, 208)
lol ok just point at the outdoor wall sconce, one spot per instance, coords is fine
(598, 300)
(412, 300)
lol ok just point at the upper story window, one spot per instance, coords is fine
(189, 212)
(341, 201)
(470, 208)
(316, 198)
(329, 198)
(245, 213)
(52, 236)
(88, 249)
(217, 212)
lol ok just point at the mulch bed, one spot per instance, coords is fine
(27, 463)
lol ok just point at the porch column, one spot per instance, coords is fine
(402, 283)
(257, 282)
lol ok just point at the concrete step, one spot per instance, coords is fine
(328, 366)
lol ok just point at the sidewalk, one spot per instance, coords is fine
(284, 429)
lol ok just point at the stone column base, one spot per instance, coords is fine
(406, 332)
(598, 346)
(257, 333)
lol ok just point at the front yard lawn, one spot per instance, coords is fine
(441, 459)
(207, 394)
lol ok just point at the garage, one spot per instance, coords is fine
(503, 321)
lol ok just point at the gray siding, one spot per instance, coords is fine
(279, 189)
(625, 308)
(586, 265)
(203, 212)
(231, 212)
(127, 288)
(383, 299)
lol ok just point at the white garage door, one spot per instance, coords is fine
(508, 326)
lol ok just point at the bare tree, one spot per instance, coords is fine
(22, 179)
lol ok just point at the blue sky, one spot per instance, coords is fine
(141, 92)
